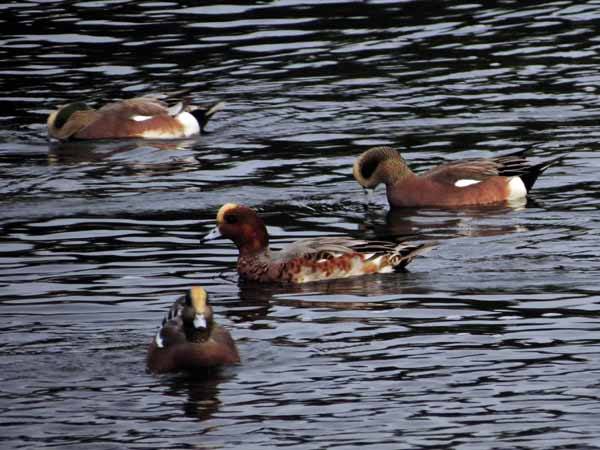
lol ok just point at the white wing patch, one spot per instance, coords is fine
(465, 183)
(141, 118)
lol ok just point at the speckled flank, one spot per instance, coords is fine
(303, 270)
(305, 260)
(350, 265)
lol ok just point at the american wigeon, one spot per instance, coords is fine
(141, 117)
(477, 181)
(305, 260)
(189, 339)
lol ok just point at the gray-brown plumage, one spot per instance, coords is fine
(476, 181)
(306, 260)
(140, 117)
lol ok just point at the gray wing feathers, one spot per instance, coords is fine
(330, 247)
(479, 169)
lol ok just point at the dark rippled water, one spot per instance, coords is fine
(491, 341)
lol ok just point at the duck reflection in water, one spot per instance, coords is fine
(77, 152)
(340, 294)
(201, 392)
(489, 220)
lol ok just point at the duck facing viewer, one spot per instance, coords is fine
(189, 338)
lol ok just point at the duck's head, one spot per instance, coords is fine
(197, 313)
(65, 113)
(243, 226)
(379, 165)
(69, 119)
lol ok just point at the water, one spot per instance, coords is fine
(491, 341)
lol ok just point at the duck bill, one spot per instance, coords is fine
(199, 321)
(214, 234)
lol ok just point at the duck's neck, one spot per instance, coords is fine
(254, 241)
(392, 171)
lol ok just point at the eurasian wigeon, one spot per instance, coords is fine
(141, 117)
(468, 182)
(311, 259)
(189, 339)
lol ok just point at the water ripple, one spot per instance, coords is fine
(488, 341)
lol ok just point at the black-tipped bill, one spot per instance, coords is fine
(214, 234)
(199, 321)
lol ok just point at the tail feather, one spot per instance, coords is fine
(214, 108)
(406, 253)
(204, 113)
(179, 107)
(529, 178)
(169, 95)
(521, 153)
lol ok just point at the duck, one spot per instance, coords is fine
(189, 339)
(306, 260)
(468, 182)
(146, 117)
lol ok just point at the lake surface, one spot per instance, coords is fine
(490, 341)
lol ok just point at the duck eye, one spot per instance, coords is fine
(231, 219)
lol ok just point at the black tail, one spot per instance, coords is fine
(406, 254)
(204, 113)
(533, 172)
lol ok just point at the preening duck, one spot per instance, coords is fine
(140, 117)
(190, 339)
(468, 182)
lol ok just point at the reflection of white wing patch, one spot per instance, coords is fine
(465, 183)
(140, 118)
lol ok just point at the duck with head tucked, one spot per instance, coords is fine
(141, 117)
(305, 260)
(468, 182)
(189, 338)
